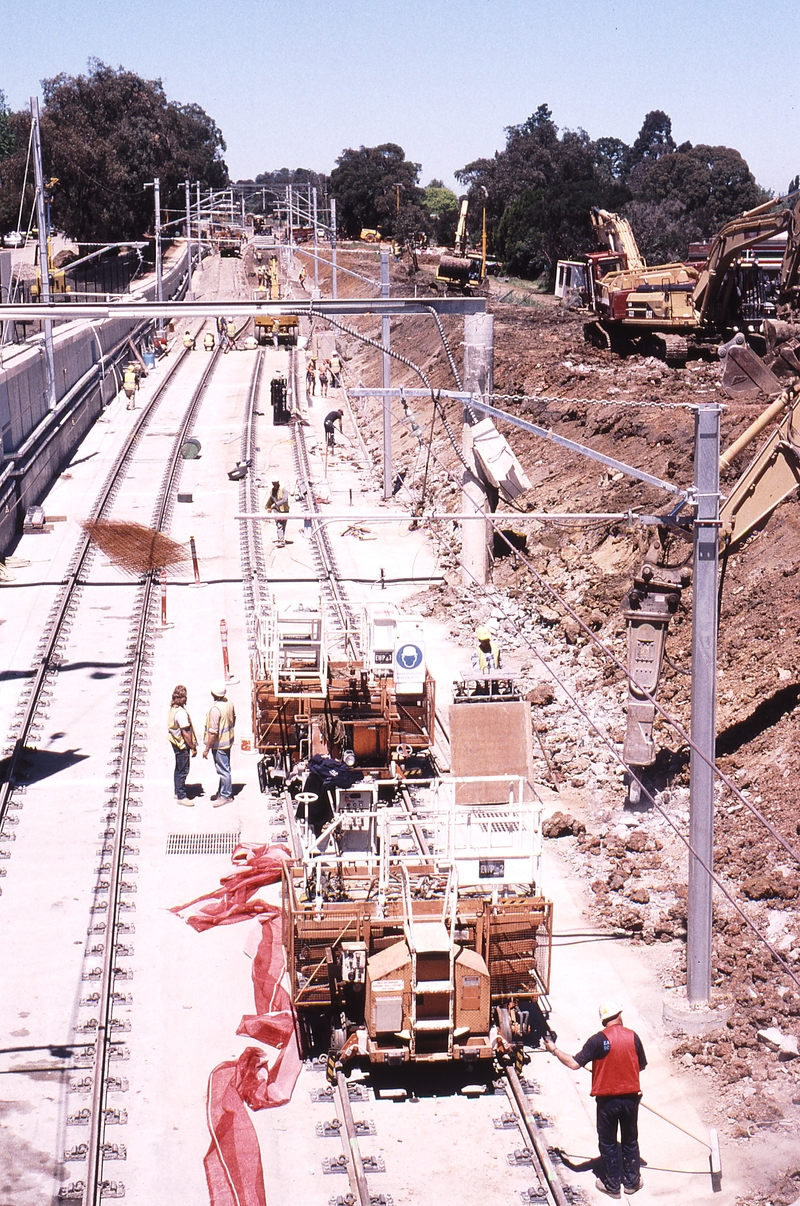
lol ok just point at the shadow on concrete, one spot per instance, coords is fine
(7, 676)
(35, 765)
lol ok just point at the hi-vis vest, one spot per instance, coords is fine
(129, 380)
(174, 729)
(227, 719)
(278, 502)
(491, 660)
(618, 1073)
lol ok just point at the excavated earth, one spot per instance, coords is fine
(632, 859)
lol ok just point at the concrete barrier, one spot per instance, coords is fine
(37, 442)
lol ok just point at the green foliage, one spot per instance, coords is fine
(711, 184)
(442, 208)
(364, 185)
(540, 190)
(6, 132)
(542, 185)
(103, 136)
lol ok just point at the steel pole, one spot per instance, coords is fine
(386, 373)
(334, 275)
(199, 229)
(289, 212)
(316, 261)
(189, 291)
(44, 256)
(704, 702)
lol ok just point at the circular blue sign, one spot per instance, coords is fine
(409, 657)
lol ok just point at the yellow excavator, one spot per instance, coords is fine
(651, 602)
(464, 270)
(665, 309)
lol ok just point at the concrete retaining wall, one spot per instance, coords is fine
(37, 443)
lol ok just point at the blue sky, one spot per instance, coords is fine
(292, 83)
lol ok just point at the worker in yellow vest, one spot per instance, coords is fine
(218, 740)
(130, 384)
(208, 341)
(188, 340)
(183, 741)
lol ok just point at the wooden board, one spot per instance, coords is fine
(490, 739)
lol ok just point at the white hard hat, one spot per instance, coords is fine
(609, 1010)
(220, 690)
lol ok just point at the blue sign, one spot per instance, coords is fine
(408, 656)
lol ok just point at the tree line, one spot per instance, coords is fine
(107, 133)
(104, 136)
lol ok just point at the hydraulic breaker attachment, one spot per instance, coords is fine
(648, 608)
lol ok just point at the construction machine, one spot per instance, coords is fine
(577, 280)
(768, 480)
(464, 270)
(666, 309)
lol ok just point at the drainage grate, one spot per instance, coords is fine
(202, 843)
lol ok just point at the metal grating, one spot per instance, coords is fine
(202, 843)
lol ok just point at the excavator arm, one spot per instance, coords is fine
(737, 236)
(615, 232)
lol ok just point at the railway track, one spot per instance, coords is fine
(110, 926)
(366, 1157)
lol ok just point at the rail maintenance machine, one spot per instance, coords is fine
(415, 928)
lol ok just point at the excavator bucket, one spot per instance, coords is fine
(744, 373)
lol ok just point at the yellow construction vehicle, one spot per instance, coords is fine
(666, 309)
(464, 270)
(280, 328)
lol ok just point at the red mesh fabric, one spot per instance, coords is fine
(257, 1079)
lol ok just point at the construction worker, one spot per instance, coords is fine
(183, 741)
(278, 501)
(130, 384)
(218, 741)
(209, 341)
(617, 1057)
(230, 334)
(188, 340)
(302, 278)
(486, 657)
(331, 419)
(335, 370)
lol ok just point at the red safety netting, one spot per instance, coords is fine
(256, 1079)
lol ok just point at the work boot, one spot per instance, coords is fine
(629, 1189)
(610, 1193)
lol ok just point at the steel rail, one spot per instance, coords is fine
(140, 635)
(355, 1162)
(529, 1126)
(250, 534)
(78, 565)
(323, 552)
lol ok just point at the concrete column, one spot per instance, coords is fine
(476, 535)
(704, 701)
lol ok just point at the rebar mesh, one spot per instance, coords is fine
(133, 548)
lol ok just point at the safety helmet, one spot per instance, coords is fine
(483, 633)
(219, 690)
(609, 1010)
